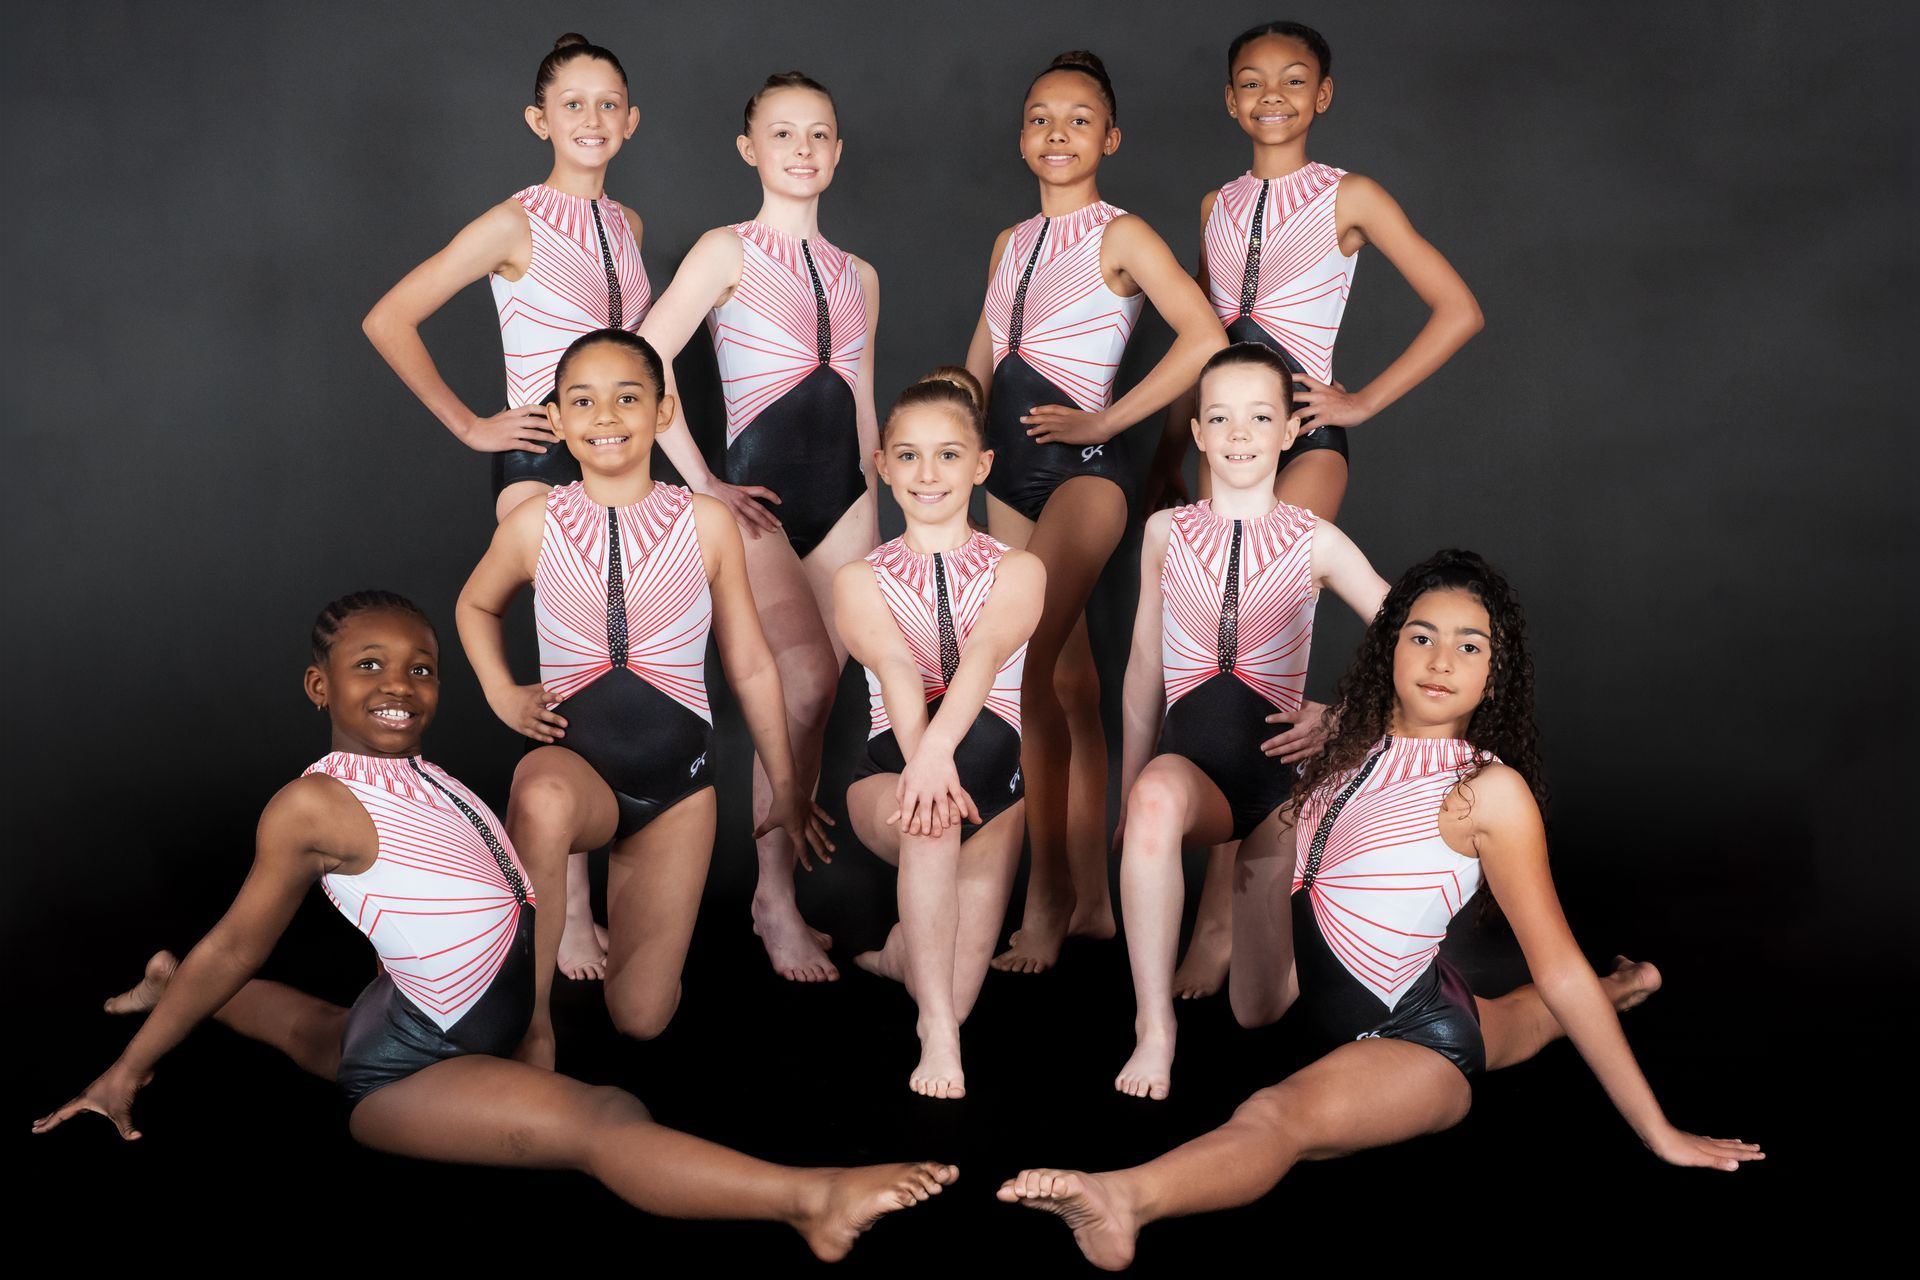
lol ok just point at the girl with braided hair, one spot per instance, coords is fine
(1429, 783)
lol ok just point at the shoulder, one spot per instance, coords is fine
(1130, 231)
(310, 808)
(525, 523)
(719, 243)
(1498, 800)
(1158, 527)
(633, 220)
(1000, 241)
(869, 278)
(1207, 202)
(855, 575)
(507, 218)
(711, 519)
(1019, 568)
(1356, 191)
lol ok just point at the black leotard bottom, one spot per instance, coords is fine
(805, 447)
(1025, 474)
(987, 760)
(1436, 1010)
(388, 1038)
(648, 748)
(1219, 725)
(1247, 329)
(556, 467)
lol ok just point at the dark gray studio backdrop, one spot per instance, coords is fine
(1682, 431)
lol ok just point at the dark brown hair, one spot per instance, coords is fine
(1089, 65)
(949, 387)
(1254, 353)
(326, 627)
(783, 80)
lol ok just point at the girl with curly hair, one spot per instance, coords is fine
(1429, 782)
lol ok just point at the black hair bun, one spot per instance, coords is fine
(569, 40)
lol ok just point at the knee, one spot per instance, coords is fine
(1076, 682)
(641, 1015)
(540, 812)
(811, 686)
(611, 1106)
(1265, 1110)
(1262, 1009)
(1156, 804)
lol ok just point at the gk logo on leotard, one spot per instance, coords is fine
(1368, 1035)
(1013, 784)
(694, 768)
(1091, 452)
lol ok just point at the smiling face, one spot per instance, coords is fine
(1067, 128)
(1276, 89)
(794, 142)
(1441, 660)
(379, 684)
(586, 114)
(1243, 426)
(609, 409)
(931, 458)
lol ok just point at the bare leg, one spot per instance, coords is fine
(1076, 533)
(558, 806)
(1204, 969)
(520, 491)
(583, 943)
(1518, 1025)
(929, 919)
(1171, 804)
(654, 880)
(1316, 480)
(1366, 1094)
(305, 1028)
(479, 1110)
(1088, 846)
(988, 861)
(809, 667)
(1262, 983)
(870, 802)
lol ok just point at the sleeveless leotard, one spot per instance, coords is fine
(1276, 276)
(584, 274)
(1236, 626)
(1058, 334)
(936, 601)
(622, 609)
(788, 342)
(1374, 889)
(449, 909)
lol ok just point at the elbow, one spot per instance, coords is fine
(374, 324)
(1472, 319)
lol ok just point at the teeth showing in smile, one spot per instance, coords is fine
(1239, 457)
(394, 715)
(600, 440)
(1272, 119)
(589, 142)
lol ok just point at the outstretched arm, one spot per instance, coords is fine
(707, 275)
(507, 567)
(755, 679)
(1133, 252)
(1366, 214)
(1507, 833)
(306, 820)
(495, 241)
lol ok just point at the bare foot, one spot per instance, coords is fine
(890, 961)
(1629, 984)
(583, 951)
(1149, 1072)
(798, 952)
(939, 1074)
(146, 993)
(1092, 922)
(847, 1202)
(1102, 1224)
(1204, 971)
(537, 1046)
(600, 935)
(1035, 945)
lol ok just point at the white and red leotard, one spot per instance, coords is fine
(623, 610)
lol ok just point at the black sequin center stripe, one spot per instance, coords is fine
(606, 260)
(1019, 318)
(1250, 278)
(1230, 607)
(949, 643)
(507, 869)
(1325, 828)
(823, 329)
(616, 594)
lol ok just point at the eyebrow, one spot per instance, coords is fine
(795, 123)
(1076, 106)
(1256, 70)
(1250, 404)
(908, 444)
(1459, 631)
(581, 386)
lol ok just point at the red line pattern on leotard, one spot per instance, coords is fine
(435, 904)
(907, 583)
(1303, 281)
(1074, 328)
(766, 335)
(564, 291)
(1389, 884)
(669, 606)
(1276, 602)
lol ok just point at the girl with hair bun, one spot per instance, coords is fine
(1428, 786)
(939, 617)
(1064, 289)
(423, 867)
(563, 258)
(792, 318)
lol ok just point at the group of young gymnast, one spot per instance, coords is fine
(1343, 839)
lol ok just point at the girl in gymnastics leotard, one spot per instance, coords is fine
(940, 618)
(564, 259)
(1220, 645)
(421, 866)
(1427, 785)
(792, 318)
(1063, 292)
(629, 575)
(1278, 250)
